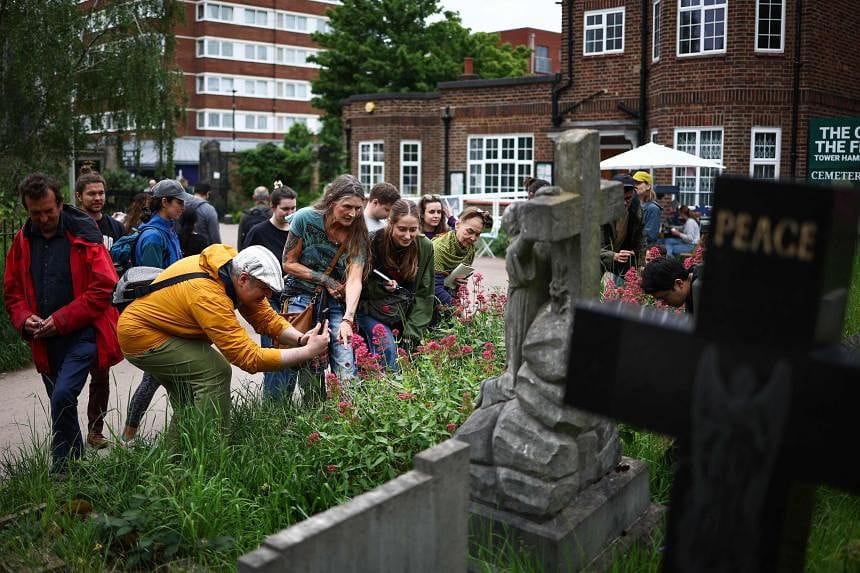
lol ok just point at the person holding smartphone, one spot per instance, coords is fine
(397, 296)
(333, 227)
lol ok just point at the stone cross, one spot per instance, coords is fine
(532, 457)
(758, 396)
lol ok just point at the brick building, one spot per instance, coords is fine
(736, 81)
(245, 73)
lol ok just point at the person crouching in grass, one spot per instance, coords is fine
(169, 333)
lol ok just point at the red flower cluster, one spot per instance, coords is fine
(696, 257)
(330, 469)
(368, 363)
(489, 352)
(333, 385)
(313, 438)
(405, 396)
(451, 428)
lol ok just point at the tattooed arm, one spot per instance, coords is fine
(292, 266)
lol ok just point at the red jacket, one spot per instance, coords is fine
(93, 281)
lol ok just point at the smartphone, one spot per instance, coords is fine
(381, 275)
(322, 318)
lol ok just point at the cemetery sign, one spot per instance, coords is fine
(833, 153)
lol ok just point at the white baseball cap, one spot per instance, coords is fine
(260, 263)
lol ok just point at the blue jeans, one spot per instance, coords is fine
(677, 246)
(384, 342)
(276, 385)
(341, 359)
(63, 389)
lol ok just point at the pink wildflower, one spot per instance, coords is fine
(451, 427)
(405, 396)
(395, 332)
(344, 407)
(331, 468)
(466, 349)
(313, 438)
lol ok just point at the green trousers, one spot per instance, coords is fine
(194, 375)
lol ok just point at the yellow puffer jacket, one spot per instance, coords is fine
(201, 309)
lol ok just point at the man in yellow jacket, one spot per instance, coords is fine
(170, 332)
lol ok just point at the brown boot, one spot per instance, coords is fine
(97, 440)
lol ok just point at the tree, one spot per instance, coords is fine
(397, 46)
(64, 68)
(294, 162)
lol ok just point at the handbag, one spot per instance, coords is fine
(303, 320)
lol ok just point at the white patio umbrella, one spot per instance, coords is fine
(655, 156)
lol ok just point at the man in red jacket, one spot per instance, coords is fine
(57, 288)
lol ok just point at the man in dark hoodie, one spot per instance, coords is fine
(257, 214)
(57, 288)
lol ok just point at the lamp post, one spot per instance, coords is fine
(234, 121)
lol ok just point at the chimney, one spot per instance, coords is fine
(468, 69)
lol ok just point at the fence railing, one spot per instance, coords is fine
(7, 233)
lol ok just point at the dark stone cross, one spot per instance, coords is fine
(755, 389)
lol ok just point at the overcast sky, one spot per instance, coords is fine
(495, 15)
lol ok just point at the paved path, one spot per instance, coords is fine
(24, 408)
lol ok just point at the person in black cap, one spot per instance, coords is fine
(623, 243)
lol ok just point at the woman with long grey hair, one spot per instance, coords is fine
(333, 226)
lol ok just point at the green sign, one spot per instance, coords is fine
(833, 153)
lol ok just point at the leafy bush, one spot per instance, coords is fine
(14, 352)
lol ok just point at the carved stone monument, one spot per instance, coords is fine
(761, 399)
(540, 470)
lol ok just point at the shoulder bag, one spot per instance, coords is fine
(303, 320)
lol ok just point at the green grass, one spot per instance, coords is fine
(212, 495)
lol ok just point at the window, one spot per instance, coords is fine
(701, 26)
(410, 167)
(696, 184)
(769, 24)
(256, 17)
(371, 163)
(764, 152)
(216, 12)
(543, 65)
(604, 32)
(498, 163)
(655, 30)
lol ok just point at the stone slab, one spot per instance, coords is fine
(595, 517)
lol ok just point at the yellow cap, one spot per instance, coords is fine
(643, 176)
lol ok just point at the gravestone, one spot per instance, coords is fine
(542, 472)
(756, 389)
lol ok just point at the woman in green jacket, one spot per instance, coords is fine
(397, 296)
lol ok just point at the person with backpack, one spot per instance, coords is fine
(171, 332)
(158, 243)
(157, 246)
(206, 221)
(255, 215)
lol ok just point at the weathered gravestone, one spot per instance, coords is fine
(756, 389)
(541, 472)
